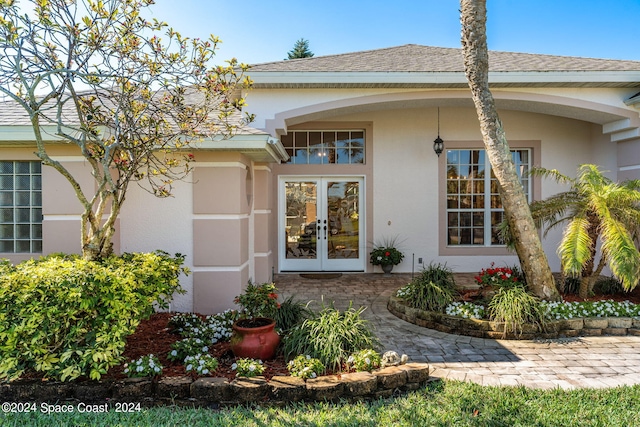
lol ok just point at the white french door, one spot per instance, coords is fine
(321, 226)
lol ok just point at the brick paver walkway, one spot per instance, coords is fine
(566, 363)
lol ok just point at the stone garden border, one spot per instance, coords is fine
(588, 326)
(210, 391)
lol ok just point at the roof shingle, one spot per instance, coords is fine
(418, 58)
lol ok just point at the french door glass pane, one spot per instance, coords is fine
(300, 224)
(343, 211)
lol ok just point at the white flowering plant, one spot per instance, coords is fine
(201, 364)
(145, 366)
(557, 310)
(364, 360)
(465, 310)
(212, 329)
(187, 347)
(248, 367)
(607, 308)
(181, 322)
(305, 367)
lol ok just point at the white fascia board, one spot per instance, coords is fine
(260, 147)
(24, 133)
(328, 78)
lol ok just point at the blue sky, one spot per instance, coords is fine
(256, 31)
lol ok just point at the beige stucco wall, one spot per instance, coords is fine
(405, 172)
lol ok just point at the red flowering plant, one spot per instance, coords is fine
(258, 301)
(498, 276)
(385, 255)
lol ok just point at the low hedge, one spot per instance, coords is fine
(66, 317)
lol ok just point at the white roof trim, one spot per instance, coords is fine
(258, 147)
(372, 77)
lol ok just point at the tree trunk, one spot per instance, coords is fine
(516, 207)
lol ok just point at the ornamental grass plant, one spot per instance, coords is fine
(432, 290)
(515, 307)
(331, 336)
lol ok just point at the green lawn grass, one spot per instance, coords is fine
(446, 403)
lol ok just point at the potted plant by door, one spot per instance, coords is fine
(254, 334)
(386, 256)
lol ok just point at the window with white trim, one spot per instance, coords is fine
(325, 147)
(20, 207)
(474, 207)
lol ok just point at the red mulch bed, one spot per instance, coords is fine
(153, 336)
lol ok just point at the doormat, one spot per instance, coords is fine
(321, 275)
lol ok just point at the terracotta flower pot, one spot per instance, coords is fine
(255, 338)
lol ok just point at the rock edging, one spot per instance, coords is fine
(588, 326)
(208, 391)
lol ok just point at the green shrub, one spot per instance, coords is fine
(331, 336)
(290, 314)
(305, 367)
(608, 286)
(439, 274)
(571, 285)
(432, 290)
(66, 317)
(364, 360)
(515, 307)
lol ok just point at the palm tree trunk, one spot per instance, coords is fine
(476, 63)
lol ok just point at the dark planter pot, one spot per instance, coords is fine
(387, 268)
(255, 338)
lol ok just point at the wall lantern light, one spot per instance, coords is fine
(438, 143)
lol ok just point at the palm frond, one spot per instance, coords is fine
(622, 253)
(551, 173)
(575, 246)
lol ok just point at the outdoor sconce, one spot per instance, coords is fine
(438, 143)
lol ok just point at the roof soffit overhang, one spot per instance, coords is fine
(259, 147)
(497, 79)
(620, 123)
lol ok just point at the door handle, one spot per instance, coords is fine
(325, 232)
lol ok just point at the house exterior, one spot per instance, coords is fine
(340, 157)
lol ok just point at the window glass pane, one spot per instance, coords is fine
(465, 236)
(36, 215)
(301, 156)
(23, 246)
(6, 246)
(300, 139)
(23, 198)
(22, 167)
(23, 215)
(6, 198)
(6, 215)
(36, 182)
(467, 193)
(287, 140)
(23, 231)
(36, 231)
(6, 167)
(36, 246)
(478, 236)
(6, 182)
(23, 182)
(330, 155)
(6, 231)
(325, 147)
(315, 139)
